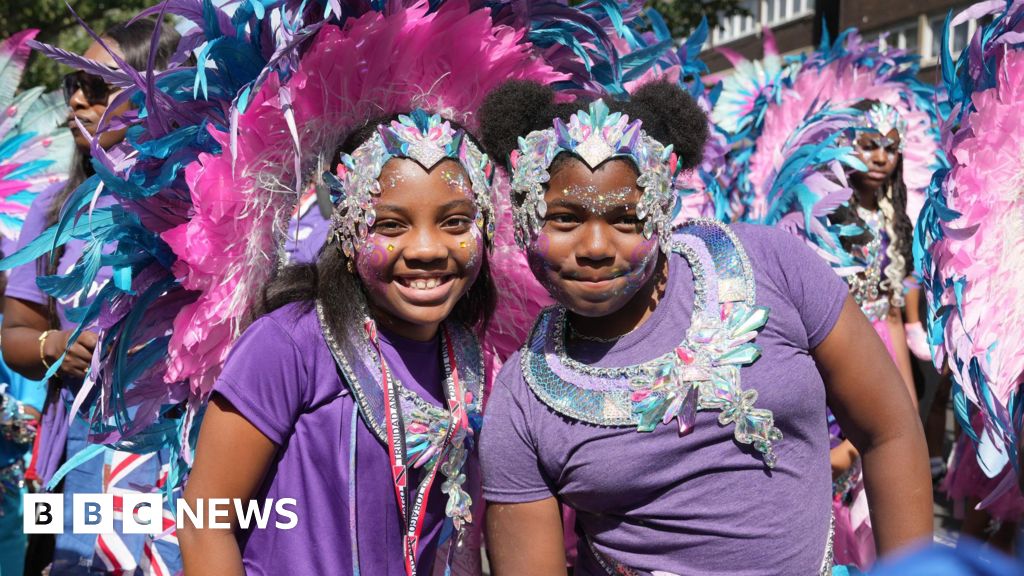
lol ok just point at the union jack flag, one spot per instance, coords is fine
(118, 554)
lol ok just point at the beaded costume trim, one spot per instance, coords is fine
(866, 287)
(426, 427)
(702, 373)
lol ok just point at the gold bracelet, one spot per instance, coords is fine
(42, 345)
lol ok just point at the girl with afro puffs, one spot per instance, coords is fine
(675, 396)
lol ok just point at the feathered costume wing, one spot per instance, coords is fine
(218, 153)
(35, 147)
(785, 117)
(971, 236)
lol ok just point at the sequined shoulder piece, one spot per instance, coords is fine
(701, 373)
(732, 267)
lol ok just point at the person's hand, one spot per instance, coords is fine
(917, 341)
(842, 458)
(78, 358)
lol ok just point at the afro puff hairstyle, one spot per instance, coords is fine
(518, 107)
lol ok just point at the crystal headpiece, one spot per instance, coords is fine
(424, 137)
(883, 118)
(595, 136)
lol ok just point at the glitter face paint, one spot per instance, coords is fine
(457, 182)
(473, 245)
(373, 263)
(596, 202)
(590, 254)
(393, 180)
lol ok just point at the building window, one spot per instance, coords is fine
(959, 36)
(771, 13)
(905, 37)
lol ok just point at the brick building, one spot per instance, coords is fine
(915, 25)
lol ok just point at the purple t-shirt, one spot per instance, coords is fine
(700, 504)
(307, 232)
(282, 378)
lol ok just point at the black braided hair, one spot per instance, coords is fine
(895, 190)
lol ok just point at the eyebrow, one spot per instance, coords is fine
(460, 203)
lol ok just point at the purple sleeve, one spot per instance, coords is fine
(508, 452)
(21, 283)
(265, 379)
(815, 290)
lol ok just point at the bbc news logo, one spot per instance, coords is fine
(144, 514)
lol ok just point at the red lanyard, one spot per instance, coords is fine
(412, 521)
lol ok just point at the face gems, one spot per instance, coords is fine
(595, 202)
(425, 138)
(391, 247)
(595, 136)
(394, 180)
(456, 181)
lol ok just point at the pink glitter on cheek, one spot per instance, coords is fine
(537, 256)
(374, 261)
(641, 255)
(475, 247)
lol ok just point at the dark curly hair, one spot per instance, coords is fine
(518, 107)
(330, 281)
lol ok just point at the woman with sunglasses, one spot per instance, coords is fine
(36, 327)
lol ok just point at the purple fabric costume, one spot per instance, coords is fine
(282, 378)
(700, 504)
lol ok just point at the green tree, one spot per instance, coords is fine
(59, 27)
(683, 16)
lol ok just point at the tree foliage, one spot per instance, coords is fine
(58, 26)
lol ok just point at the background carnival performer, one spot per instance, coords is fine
(830, 147)
(877, 207)
(37, 325)
(34, 153)
(969, 246)
(738, 464)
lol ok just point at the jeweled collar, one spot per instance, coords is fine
(360, 367)
(701, 373)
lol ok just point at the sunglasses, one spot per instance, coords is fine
(95, 89)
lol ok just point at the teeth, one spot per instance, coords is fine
(425, 284)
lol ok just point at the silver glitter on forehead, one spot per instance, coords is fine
(595, 201)
(595, 135)
(456, 181)
(421, 136)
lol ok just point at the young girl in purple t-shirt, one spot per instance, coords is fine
(358, 391)
(676, 396)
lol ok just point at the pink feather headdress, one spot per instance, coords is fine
(445, 61)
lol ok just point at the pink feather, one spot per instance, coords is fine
(449, 61)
